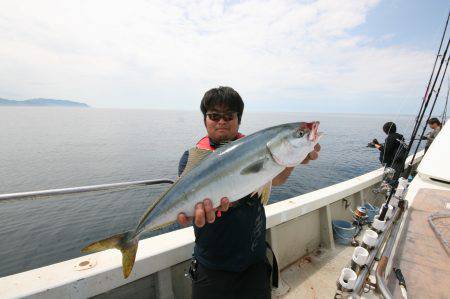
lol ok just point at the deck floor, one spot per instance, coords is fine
(422, 258)
(315, 275)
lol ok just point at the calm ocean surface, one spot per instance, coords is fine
(48, 148)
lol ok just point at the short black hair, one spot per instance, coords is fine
(434, 120)
(389, 127)
(222, 96)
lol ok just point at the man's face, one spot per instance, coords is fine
(221, 124)
(433, 126)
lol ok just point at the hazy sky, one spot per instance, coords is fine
(327, 56)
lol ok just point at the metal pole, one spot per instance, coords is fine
(74, 190)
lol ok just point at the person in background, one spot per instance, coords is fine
(229, 259)
(392, 152)
(436, 126)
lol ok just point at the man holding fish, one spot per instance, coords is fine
(230, 250)
(232, 174)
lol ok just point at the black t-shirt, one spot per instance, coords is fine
(389, 150)
(236, 239)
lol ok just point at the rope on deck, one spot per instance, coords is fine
(442, 228)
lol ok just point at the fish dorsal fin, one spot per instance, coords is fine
(264, 193)
(196, 155)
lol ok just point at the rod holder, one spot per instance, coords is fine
(389, 212)
(369, 239)
(360, 256)
(378, 225)
(347, 280)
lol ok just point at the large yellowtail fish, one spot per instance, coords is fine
(235, 170)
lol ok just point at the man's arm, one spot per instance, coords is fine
(282, 177)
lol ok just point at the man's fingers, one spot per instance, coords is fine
(182, 219)
(209, 210)
(224, 204)
(199, 215)
(317, 147)
(306, 161)
(313, 155)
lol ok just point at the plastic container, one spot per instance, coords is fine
(343, 231)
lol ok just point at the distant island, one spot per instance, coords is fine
(42, 102)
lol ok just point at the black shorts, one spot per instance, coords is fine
(254, 282)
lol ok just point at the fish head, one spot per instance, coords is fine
(294, 142)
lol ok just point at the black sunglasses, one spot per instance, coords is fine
(227, 116)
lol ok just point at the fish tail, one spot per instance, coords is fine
(126, 244)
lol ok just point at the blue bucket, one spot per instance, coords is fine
(343, 231)
(371, 211)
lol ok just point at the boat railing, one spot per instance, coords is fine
(82, 189)
(295, 227)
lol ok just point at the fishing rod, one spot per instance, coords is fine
(432, 107)
(417, 123)
(444, 111)
(404, 150)
(423, 108)
(406, 173)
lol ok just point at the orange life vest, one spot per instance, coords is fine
(204, 143)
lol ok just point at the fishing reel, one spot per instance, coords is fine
(360, 215)
(359, 219)
(373, 143)
(383, 188)
(388, 174)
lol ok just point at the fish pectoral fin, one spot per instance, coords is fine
(264, 193)
(254, 167)
(126, 244)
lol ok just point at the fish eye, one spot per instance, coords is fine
(299, 134)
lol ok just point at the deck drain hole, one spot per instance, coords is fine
(82, 264)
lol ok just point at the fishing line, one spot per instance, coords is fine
(428, 94)
(431, 76)
(407, 172)
(432, 107)
(417, 122)
(413, 136)
(444, 111)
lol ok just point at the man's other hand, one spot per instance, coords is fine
(312, 155)
(204, 212)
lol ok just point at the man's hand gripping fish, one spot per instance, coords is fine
(242, 167)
